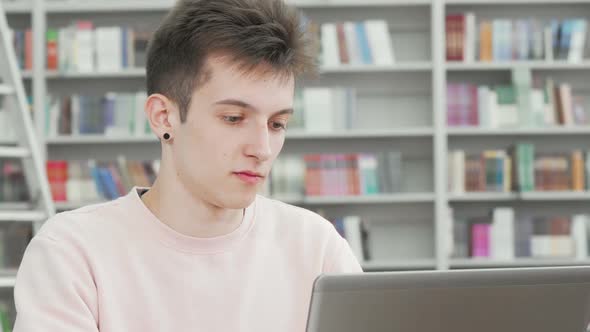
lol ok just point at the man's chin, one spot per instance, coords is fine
(239, 200)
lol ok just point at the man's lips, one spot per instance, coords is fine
(249, 177)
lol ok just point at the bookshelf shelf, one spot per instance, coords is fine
(127, 73)
(417, 264)
(68, 6)
(405, 132)
(482, 197)
(371, 199)
(509, 65)
(27, 74)
(7, 282)
(303, 4)
(21, 216)
(519, 262)
(554, 131)
(295, 135)
(98, 139)
(5, 206)
(63, 206)
(18, 7)
(140, 72)
(7, 278)
(525, 196)
(328, 200)
(514, 2)
(555, 196)
(398, 67)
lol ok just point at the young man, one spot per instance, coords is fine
(199, 250)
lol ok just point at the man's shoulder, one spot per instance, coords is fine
(95, 219)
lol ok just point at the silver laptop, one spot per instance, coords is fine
(553, 299)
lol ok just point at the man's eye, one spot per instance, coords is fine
(232, 119)
(278, 126)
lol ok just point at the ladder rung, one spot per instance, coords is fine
(6, 89)
(14, 152)
(22, 216)
(7, 281)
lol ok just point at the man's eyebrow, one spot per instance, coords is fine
(243, 104)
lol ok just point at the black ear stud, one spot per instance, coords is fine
(166, 136)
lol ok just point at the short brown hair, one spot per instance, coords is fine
(250, 32)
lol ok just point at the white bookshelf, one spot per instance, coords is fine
(403, 108)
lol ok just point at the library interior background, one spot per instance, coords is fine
(440, 134)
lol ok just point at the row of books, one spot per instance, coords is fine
(500, 236)
(92, 181)
(112, 114)
(324, 109)
(364, 42)
(22, 40)
(13, 187)
(520, 104)
(82, 47)
(337, 174)
(520, 169)
(353, 230)
(468, 39)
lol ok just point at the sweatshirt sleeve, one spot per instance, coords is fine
(55, 290)
(340, 258)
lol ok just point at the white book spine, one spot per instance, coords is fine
(318, 106)
(580, 236)
(548, 42)
(502, 234)
(330, 52)
(380, 42)
(469, 38)
(353, 233)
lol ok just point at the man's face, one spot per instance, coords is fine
(234, 130)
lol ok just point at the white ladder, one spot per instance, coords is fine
(26, 148)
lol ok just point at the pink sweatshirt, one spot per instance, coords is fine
(116, 267)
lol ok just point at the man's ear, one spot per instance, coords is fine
(162, 115)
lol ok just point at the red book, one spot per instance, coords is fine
(28, 49)
(52, 51)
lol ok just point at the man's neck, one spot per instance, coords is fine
(176, 207)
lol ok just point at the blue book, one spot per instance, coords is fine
(555, 35)
(565, 39)
(97, 181)
(109, 183)
(124, 41)
(363, 40)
